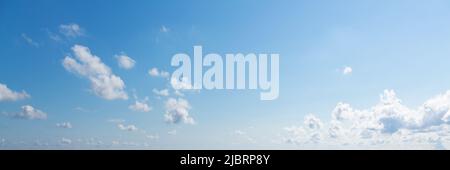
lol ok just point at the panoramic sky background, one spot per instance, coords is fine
(353, 74)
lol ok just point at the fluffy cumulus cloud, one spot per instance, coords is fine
(163, 92)
(65, 125)
(177, 110)
(140, 106)
(129, 128)
(389, 123)
(71, 30)
(30, 113)
(125, 62)
(155, 72)
(103, 82)
(7, 94)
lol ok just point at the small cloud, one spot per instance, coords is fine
(178, 93)
(65, 141)
(116, 120)
(129, 128)
(163, 92)
(164, 29)
(81, 109)
(115, 142)
(7, 94)
(30, 113)
(242, 136)
(71, 30)
(29, 40)
(140, 106)
(178, 111)
(347, 70)
(53, 36)
(65, 125)
(154, 72)
(125, 62)
(153, 137)
(239, 132)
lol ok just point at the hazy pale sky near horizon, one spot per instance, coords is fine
(353, 74)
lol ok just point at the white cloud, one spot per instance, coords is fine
(114, 142)
(81, 109)
(65, 125)
(312, 122)
(7, 94)
(71, 30)
(65, 141)
(164, 29)
(242, 137)
(127, 127)
(116, 120)
(163, 92)
(103, 82)
(388, 123)
(125, 62)
(153, 137)
(53, 36)
(178, 111)
(154, 72)
(140, 106)
(91, 141)
(239, 132)
(347, 70)
(29, 40)
(30, 113)
(2, 141)
(178, 93)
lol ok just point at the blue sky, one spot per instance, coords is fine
(389, 45)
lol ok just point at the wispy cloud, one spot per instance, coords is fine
(116, 120)
(164, 29)
(172, 132)
(29, 40)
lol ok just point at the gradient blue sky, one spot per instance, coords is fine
(401, 45)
